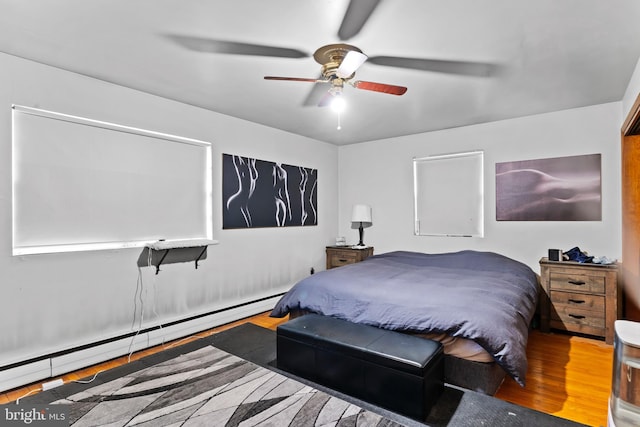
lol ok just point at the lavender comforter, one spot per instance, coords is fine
(482, 296)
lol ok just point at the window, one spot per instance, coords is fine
(449, 195)
(81, 184)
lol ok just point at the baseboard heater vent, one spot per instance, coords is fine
(58, 364)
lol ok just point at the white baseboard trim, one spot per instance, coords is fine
(25, 374)
(58, 365)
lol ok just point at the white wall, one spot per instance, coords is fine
(380, 173)
(57, 301)
(633, 89)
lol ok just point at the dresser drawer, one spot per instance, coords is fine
(582, 282)
(577, 322)
(578, 309)
(569, 300)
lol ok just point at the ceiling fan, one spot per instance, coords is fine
(340, 61)
(339, 64)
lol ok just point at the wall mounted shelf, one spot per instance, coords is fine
(163, 247)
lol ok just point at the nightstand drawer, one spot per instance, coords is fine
(341, 258)
(562, 301)
(337, 256)
(578, 312)
(571, 318)
(577, 282)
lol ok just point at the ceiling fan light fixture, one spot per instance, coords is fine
(338, 104)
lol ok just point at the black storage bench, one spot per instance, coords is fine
(400, 372)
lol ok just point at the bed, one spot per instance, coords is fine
(479, 304)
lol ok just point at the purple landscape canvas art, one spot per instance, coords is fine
(553, 189)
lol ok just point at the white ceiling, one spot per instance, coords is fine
(548, 55)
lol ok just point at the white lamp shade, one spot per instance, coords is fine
(361, 214)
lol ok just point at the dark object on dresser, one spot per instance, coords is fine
(397, 371)
(555, 255)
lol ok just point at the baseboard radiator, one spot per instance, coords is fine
(59, 364)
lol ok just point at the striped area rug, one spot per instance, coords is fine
(209, 387)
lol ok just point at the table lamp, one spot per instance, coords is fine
(360, 219)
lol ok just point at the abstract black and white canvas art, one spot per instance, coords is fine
(554, 189)
(259, 193)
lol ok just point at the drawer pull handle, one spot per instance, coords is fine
(577, 282)
(343, 260)
(577, 301)
(577, 316)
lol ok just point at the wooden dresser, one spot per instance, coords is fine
(343, 255)
(580, 298)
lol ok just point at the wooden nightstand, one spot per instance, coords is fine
(343, 255)
(581, 298)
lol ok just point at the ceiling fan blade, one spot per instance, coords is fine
(200, 44)
(465, 68)
(325, 101)
(315, 95)
(294, 79)
(351, 62)
(379, 87)
(357, 14)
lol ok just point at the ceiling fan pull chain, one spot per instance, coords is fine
(339, 125)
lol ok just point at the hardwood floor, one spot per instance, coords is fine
(568, 376)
